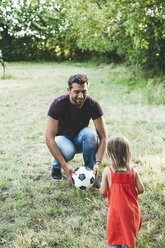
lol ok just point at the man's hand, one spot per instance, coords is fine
(95, 170)
(69, 171)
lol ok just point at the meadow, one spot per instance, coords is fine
(35, 212)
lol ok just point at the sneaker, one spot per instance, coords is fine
(56, 174)
(97, 184)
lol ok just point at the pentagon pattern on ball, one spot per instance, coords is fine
(84, 178)
(81, 177)
(92, 180)
(82, 187)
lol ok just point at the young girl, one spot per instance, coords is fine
(121, 184)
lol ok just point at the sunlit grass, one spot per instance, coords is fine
(36, 212)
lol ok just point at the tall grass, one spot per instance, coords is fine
(35, 211)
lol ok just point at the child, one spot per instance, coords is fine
(121, 184)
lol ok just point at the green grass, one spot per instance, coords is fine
(36, 212)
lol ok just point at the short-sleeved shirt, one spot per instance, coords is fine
(72, 120)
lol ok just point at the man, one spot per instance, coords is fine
(67, 131)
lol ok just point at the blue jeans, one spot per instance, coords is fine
(85, 142)
(117, 246)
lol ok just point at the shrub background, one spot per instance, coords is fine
(104, 31)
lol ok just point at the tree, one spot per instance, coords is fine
(28, 27)
(134, 30)
(51, 29)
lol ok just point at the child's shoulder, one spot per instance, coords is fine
(107, 170)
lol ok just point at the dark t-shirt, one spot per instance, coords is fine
(72, 120)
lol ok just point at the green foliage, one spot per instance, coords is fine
(36, 23)
(132, 31)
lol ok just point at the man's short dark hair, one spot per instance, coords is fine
(78, 79)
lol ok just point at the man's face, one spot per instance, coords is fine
(78, 94)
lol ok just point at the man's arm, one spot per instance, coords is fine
(51, 131)
(100, 128)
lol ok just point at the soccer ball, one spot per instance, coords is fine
(84, 178)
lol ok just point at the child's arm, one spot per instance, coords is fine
(138, 183)
(104, 183)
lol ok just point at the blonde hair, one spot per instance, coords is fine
(118, 150)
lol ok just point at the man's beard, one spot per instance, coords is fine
(78, 103)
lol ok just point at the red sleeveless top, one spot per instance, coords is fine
(124, 216)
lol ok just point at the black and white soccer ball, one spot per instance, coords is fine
(84, 178)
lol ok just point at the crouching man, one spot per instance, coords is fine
(67, 131)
